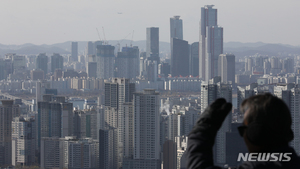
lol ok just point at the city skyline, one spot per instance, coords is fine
(58, 21)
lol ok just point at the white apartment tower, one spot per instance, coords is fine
(23, 141)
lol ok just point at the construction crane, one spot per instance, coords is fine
(131, 39)
(105, 42)
(98, 34)
(119, 43)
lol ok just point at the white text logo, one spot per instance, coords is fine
(264, 157)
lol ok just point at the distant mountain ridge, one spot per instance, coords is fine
(238, 48)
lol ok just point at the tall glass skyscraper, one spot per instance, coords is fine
(176, 28)
(210, 43)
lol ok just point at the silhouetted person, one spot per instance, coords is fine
(266, 129)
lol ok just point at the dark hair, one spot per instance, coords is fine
(269, 120)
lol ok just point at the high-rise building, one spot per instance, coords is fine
(42, 62)
(79, 153)
(23, 141)
(127, 63)
(210, 43)
(146, 126)
(7, 112)
(108, 148)
(194, 59)
(118, 95)
(146, 132)
(105, 61)
(57, 62)
(179, 57)
(290, 94)
(92, 69)
(55, 117)
(169, 154)
(3, 73)
(84, 122)
(152, 44)
(74, 51)
(227, 68)
(209, 93)
(50, 153)
(37, 74)
(151, 70)
(176, 30)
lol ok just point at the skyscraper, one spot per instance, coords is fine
(7, 111)
(176, 30)
(55, 117)
(42, 62)
(105, 61)
(152, 44)
(74, 51)
(146, 131)
(127, 62)
(57, 62)
(194, 59)
(210, 43)
(227, 68)
(179, 57)
(118, 95)
(146, 126)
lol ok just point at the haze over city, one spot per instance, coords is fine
(56, 21)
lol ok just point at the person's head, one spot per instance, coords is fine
(267, 123)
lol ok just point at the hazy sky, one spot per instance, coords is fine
(55, 21)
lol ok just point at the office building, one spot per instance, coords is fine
(176, 30)
(42, 62)
(57, 62)
(194, 59)
(105, 61)
(210, 43)
(179, 57)
(152, 44)
(74, 51)
(227, 68)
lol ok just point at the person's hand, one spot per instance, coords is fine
(212, 118)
